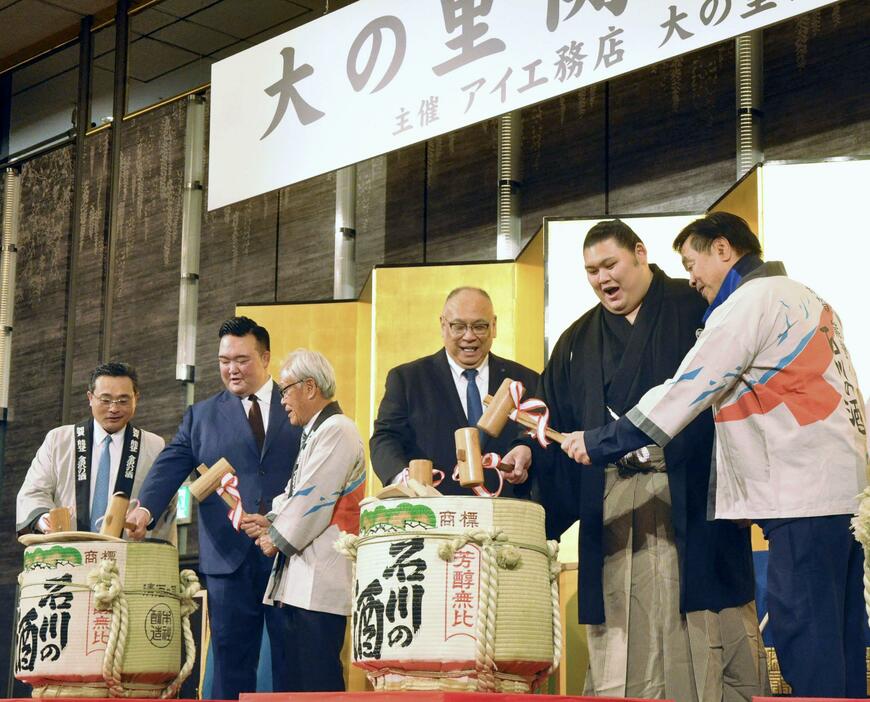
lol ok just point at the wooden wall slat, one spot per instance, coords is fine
(461, 194)
(563, 171)
(816, 73)
(89, 273)
(145, 298)
(36, 380)
(672, 133)
(306, 243)
(404, 205)
(371, 194)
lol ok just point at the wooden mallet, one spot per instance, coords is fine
(498, 410)
(209, 481)
(59, 520)
(115, 519)
(468, 457)
(420, 469)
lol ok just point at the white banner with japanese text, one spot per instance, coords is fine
(378, 75)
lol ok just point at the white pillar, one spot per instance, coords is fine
(191, 227)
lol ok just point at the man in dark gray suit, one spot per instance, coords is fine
(428, 399)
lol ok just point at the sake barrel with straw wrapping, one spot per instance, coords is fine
(454, 593)
(63, 636)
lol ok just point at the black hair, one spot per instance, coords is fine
(242, 326)
(702, 232)
(615, 229)
(114, 369)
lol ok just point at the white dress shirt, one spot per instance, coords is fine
(461, 382)
(264, 395)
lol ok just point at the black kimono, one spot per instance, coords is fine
(602, 361)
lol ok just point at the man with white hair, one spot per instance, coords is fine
(310, 580)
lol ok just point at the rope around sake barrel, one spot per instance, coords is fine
(861, 529)
(496, 552)
(109, 594)
(555, 570)
(105, 582)
(189, 583)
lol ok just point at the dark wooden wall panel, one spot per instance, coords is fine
(816, 78)
(461, 194)
(672, 133)
(89, 273)
(147, 262)
(390, 210)
(36, 378)
(36, 382)
(371, 191)
(405, 205)
(306, 244)
(563, 165)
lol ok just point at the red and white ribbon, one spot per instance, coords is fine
(230, 486)
(489, 460)
(537, 408)
(436, 481)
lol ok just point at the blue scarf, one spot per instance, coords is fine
(739, 270)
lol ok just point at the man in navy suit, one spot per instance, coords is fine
(427, 400)
(246, 425)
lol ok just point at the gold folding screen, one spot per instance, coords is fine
(396, 320)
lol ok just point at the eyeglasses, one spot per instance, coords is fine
(284, 390)
(458, 329)
(107, 401)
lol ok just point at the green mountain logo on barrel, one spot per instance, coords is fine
(52, 557)
(403, 517)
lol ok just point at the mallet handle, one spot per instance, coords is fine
(202, 469)
(529, 422)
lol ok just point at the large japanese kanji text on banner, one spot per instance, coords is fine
(382, 74)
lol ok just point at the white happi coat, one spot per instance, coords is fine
(320, 502)
(50, 480)
(790, 426)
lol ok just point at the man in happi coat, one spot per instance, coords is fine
(311, 582)
(667, 595)
(791, 451)
(81, 466)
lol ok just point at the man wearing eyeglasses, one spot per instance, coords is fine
(80, 466)
(246, 425)
(428, 399)
(310, 580)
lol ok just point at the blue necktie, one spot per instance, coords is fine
(472, 397)
(101, 488)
